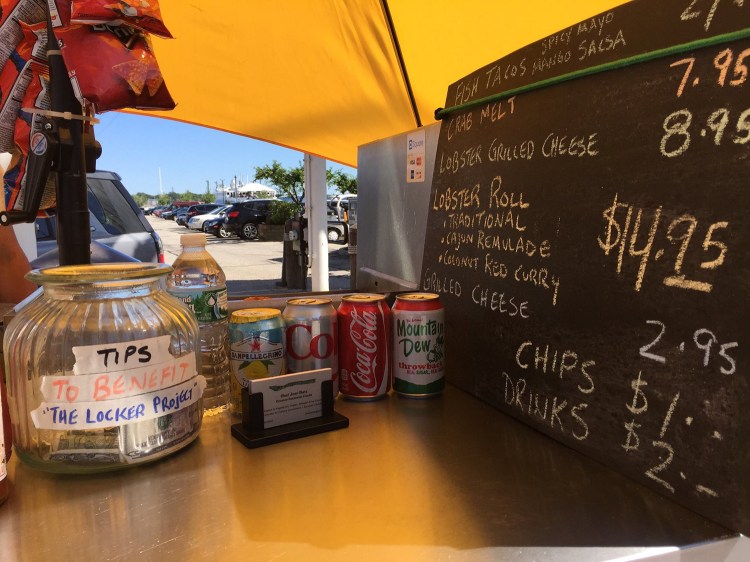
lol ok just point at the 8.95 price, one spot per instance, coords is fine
(721, 127)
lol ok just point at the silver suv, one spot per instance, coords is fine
(116, 222)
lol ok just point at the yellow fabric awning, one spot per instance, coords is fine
(323, 76)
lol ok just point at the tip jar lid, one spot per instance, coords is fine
(247, 315)
(195, 239)
(67, 274)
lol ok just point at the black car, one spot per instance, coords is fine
(215, 227)
(180, 216)
(244, 218)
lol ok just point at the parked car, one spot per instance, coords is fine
(168, 214)
(338, 231)
(154, 210)
(201, 209)
(115, 220)
(216, 227)
(181, 217)
(244, 218)
(171, 210)
(196, 221)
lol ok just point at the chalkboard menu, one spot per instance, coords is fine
(590, 243)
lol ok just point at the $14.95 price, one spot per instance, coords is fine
(629, 233)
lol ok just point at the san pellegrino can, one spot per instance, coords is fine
(364, 341)
(312, 337)
(418, 345)
(256, 349)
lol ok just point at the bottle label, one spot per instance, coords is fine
(208, 306)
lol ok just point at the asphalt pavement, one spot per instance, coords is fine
(252, 267)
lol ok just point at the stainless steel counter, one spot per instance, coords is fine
(448, 478)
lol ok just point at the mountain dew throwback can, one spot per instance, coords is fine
(256, 349)
(418, 345)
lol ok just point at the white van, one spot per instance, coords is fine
(340, 205)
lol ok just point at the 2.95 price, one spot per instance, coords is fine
(721, 126)
(713, 351)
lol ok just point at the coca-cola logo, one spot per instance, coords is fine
(363, 333)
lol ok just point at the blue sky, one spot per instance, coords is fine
(138, 146)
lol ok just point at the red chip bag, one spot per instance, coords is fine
(12, 15)
(27, 124)
(124, 72)
(59, 12)
(141, 14)
(14, 80)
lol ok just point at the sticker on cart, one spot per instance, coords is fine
(415, 157)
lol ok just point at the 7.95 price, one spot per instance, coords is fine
(728, 70)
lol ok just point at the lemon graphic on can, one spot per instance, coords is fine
(255, 370)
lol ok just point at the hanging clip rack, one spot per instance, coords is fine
(65, 146)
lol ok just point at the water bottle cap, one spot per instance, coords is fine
(196, 239)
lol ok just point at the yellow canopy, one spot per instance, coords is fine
(323, 76)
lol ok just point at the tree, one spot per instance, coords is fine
(190, 196)
(141, 199)
(204, 197)
(344, 182)
(291, 181)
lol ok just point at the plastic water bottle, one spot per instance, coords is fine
(199, 282)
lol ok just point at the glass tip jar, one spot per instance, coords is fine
(103, 369)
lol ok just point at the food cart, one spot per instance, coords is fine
(542, 445)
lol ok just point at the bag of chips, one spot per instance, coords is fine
(141, 14)
(15, 78)
(12, 15)
(36, 95)
(60, 12)
(124, 72)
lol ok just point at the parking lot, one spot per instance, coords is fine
(252, 266)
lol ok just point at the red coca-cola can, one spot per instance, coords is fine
(312, 337)
(364, 341)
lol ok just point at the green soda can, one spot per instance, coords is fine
(418, 345)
